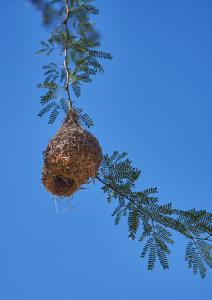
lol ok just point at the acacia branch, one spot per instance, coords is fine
(143, 210)
(66, 63)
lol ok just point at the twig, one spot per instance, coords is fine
(66, 67)
(188, 235)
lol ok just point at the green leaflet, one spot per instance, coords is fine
(84, 118)
(82, 55)
(153, 220)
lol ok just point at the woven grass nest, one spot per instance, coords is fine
(72, 156)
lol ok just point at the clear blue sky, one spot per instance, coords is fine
(154, 102)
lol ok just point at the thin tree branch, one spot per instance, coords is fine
(66, 63)
(186, 234)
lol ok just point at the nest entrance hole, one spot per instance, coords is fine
(63, 184)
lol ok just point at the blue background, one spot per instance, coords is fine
(154, 102)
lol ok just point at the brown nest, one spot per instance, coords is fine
(72, 156)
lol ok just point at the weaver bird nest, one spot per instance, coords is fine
(72, 156)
